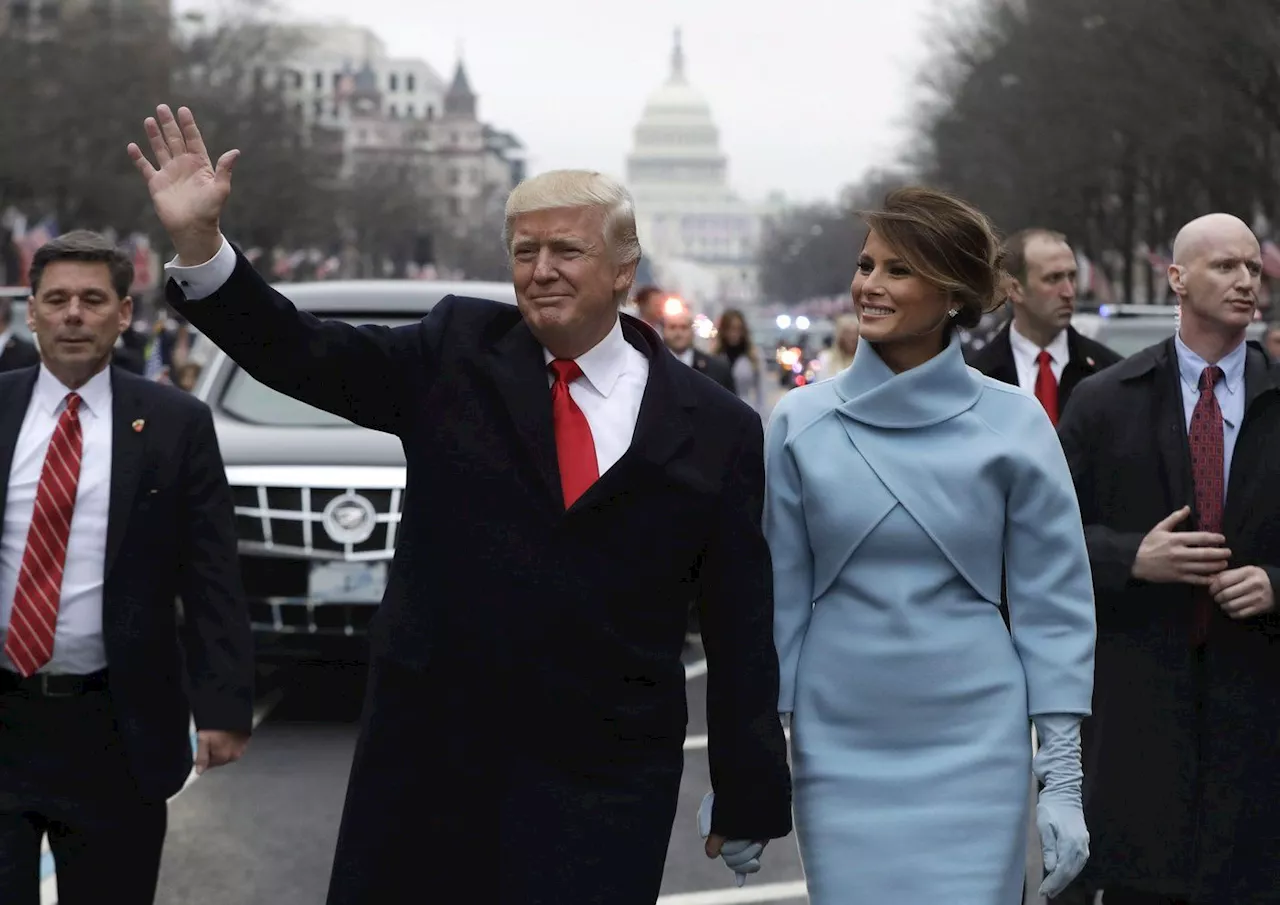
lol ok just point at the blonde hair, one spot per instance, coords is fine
(579, 188)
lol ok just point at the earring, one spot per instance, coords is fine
(953, 312)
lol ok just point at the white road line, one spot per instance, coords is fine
(695, 669)
(766, 892)
(49, 886)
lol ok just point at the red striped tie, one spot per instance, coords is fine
(35, 603)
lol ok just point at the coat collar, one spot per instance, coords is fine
(936, 391)
(517, 362)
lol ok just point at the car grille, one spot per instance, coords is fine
(290, 522)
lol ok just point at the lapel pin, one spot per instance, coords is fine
(1089, 362)
(138, 425)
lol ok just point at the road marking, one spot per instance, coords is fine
(695, 669)
(49, 879)
(767, 892)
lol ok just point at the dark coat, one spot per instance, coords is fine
(715, 367)
(18, 353)
(1182, 753)
(170, 535)
(527, 696)
(1085, 357)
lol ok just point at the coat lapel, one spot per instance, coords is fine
(128, 405)
(519, 370)
(13, 409)
(1079, 366)
(1171, 429)
(1004, 369)
(664, 423)
(1259, 381)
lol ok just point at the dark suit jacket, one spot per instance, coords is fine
(716, 368)
(18, 353)
(1086, 356)
(1181, 767)
(170, 534)
(527, 667)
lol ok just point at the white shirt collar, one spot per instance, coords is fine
(1191, 365)
(686, 356)
(1059, 350)
(95, 396)
(604, 362)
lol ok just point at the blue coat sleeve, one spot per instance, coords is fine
(1049, 583)
(788, 537)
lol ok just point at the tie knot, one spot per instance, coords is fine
(73, 403)
(1044, 358)
(566, 370)
(1209, 377)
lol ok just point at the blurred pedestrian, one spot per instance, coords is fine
(733, 344)
(15, 352)
(839, 355)
(649, 302)
(1173, 452)
(677, 333)
(895, 493)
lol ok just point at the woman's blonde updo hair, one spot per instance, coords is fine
(947, 242)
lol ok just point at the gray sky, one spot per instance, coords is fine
(807, 93)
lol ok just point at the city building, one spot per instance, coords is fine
(699, 236)
(36, 19)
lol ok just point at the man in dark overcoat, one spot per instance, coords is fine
(1176, 458)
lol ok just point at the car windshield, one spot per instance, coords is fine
(247, 399)
(20, 319)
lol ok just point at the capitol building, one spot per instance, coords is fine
(698, 236)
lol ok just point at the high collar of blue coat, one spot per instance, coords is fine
(941, 388)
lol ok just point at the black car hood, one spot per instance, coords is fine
(256, 444)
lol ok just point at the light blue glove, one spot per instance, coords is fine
(1060, 813)
(742, 856)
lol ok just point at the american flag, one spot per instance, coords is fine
(28, 242)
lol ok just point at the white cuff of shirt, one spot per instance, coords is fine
(203, 280)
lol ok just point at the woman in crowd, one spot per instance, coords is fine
(733, 342)
(840, 355)
(895, 494)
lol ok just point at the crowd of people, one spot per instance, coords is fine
(919, 559)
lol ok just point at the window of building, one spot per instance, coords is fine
(431, 112)
(393, 82)
(455, 206)
(408, 111)
(319, 80)
(410, 83)
(337, 80)
(319, 108)
(20, 12)
(50, 12)
(393, 112)
(454, 176)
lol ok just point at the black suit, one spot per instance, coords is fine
(18, 353)
(527, 699)
(126, 749)
(1085, 357)
(715, 367)
(1181, 762)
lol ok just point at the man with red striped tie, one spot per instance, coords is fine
(1038, 349)
(115, 504)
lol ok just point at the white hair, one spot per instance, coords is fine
(579, 188)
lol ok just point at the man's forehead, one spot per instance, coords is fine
(558, 223)
(1048, 249)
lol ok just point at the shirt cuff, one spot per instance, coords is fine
(203, 280)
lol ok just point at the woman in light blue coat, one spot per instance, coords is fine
(897, 494)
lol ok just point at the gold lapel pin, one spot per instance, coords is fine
(1089, 362)
(138, 425)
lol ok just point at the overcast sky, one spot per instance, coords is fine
(807, 93)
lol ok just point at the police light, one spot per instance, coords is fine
(802, 323)
(784, 321)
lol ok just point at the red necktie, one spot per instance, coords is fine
(1047, 386)
(35, 603)
(575, 447)
(1207, 456)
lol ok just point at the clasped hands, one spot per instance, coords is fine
(1201, 558)
(742, 856)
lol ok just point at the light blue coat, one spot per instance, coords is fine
(892, 504)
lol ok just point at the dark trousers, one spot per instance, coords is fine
(64, 773)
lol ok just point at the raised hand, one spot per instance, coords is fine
(187, 190)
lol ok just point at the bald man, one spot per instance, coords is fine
(677, 333)
(1174, 453)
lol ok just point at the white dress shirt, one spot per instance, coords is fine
(686, 356)
(609, 392)
(1026, 354)
(77, 643)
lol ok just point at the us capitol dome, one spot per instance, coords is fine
(699, 236)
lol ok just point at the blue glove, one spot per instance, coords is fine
(1060, 814)
(742, 856)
